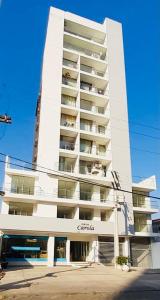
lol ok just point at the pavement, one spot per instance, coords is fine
(96, 282)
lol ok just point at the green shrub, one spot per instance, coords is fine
(122, 260)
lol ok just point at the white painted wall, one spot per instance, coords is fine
(121, 161)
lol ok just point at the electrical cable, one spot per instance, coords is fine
(73, 178)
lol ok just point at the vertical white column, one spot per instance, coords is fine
(68, 250)
(127, 247)
(50, 250)
(96, 193)
(93, 254)
(76, 214)
(97, 215)
(5, 208)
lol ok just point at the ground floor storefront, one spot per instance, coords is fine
(67, 249)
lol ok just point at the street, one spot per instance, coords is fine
(96, 282)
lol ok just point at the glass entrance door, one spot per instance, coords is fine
(79, 250)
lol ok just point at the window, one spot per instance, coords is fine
(22, 246)
(20, 208)
(60, 248)
(22, 185)
(85, 146)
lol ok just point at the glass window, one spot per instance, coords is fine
(22, 185)
(17, 247)
(20, 208)
(60, 248)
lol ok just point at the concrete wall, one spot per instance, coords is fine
(48, 144)
(121, 161)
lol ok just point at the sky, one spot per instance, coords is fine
(23, 27)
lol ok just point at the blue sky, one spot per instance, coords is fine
(22, 37)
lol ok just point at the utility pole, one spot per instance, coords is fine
(5, 119)
(117, 202)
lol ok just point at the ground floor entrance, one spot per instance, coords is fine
(79, 250)
(141, 254)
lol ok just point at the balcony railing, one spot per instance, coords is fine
(22, 189)
(94, 109)
(94, 39)
(86, 127)
(96, 129)
(144, 202)
(66, 167)
(20, 212)
(69, 81)
(101, 130)
(84, 51)
(68, 101)
(88, 170)
(91, 70)
(85, 149)
(87, 196)
(92, 89)
(69, 63)
(143, 227)
(67, 145)
(67, 123)
(65, 193)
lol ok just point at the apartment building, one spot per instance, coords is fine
(63, 210)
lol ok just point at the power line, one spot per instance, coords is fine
(73, 178)
(33, 164)
(137, 123)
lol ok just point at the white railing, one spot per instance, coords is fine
(92, 39)
(84, 51)
(69, 63)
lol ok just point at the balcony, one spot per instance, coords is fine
(67, 143)
(101, 150)
(144, 204)
(86, 191)
(83, 50)
(95, 169)
(22, 209)
(91, 71)
(69, 63)
(71, 82)
(68, 121)
(65, 193)
(66, 164)
(66, 189)
(65, 212)
(87, 105)
(22, 185)
(22, 189)
(68, 100)
(144, 229)
(87, 125)
(84, 36)
(90, 88)
(85, 214)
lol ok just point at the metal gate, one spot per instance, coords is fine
(141, 253)
(106, 250)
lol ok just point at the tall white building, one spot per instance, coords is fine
(81, 133)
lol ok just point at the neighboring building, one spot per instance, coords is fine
(81, 132)
(156, 225)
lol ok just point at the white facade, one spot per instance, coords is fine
(80, 135)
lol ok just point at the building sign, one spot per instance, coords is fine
(85, 227)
